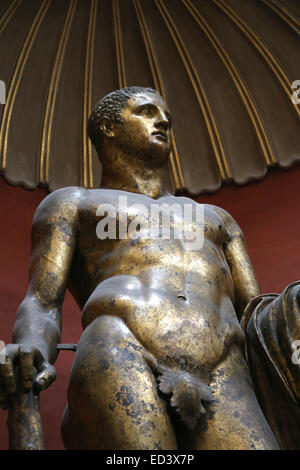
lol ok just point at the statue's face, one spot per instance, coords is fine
(145, 131)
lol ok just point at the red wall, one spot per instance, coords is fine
(267, 211)
(17, 207)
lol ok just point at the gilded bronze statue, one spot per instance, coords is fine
(160, 363)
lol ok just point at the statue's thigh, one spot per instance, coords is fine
(234, 421)
(112, 395)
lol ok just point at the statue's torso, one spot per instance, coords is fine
(178, 302)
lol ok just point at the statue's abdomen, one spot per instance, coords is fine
(179, 324)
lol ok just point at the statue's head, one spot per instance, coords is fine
(136, 120)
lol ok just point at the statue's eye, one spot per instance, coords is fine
(147, 110)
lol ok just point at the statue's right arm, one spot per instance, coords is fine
(38, 323)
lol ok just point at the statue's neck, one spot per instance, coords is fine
(135, 177)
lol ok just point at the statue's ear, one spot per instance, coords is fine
(107, 127)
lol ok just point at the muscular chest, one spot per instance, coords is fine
(136, 217)
(131, 238)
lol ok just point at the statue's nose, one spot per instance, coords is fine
(162, 121)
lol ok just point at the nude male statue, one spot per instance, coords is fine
(160, 363)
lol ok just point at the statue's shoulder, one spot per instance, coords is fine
(68, 194)
(218, 210)
(63, 202)
(226, 217)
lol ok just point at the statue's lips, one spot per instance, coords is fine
(161, 135)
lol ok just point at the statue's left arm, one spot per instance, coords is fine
(245, 283)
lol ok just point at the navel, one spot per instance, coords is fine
(181, 297)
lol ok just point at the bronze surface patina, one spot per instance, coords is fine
(160, 363)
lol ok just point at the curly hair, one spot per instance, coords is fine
(111, 106)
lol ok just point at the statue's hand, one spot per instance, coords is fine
(35, 371)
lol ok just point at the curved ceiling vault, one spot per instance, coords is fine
(225, 67)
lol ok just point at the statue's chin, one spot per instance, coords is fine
(158, 155)
(157, 161)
